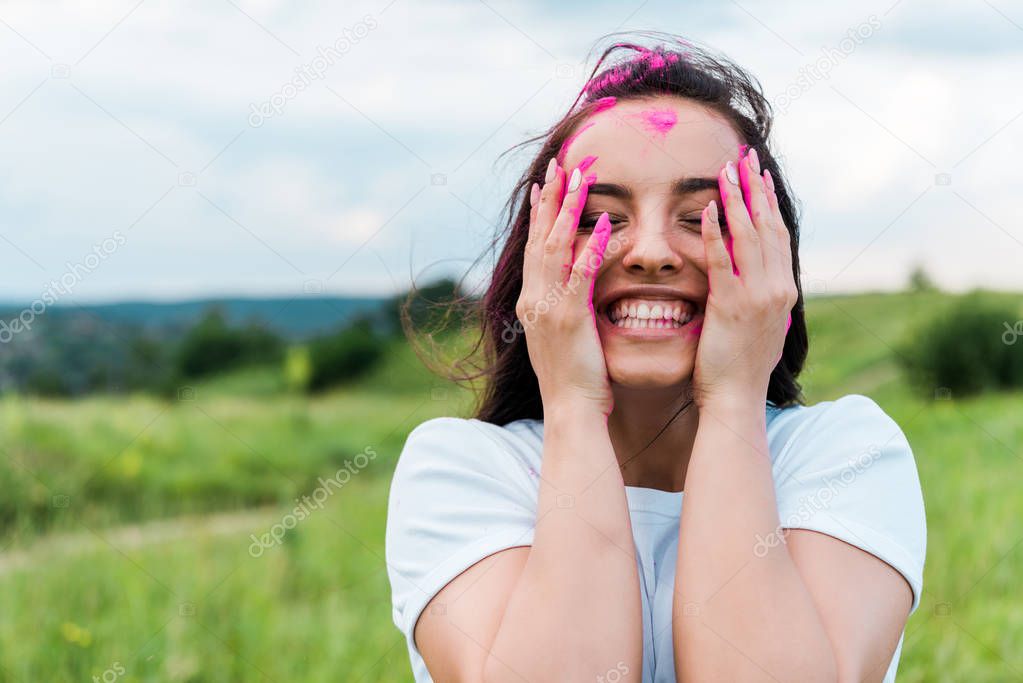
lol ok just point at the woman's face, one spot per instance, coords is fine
(657, 165)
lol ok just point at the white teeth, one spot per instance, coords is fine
(633, 313)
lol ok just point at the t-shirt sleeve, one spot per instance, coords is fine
(457, 496)
(849, 472)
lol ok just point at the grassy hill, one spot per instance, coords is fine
(188, 601)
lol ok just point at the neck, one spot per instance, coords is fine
(638, 416)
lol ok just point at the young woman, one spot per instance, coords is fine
(642, 494)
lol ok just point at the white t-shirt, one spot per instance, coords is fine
(464, 489)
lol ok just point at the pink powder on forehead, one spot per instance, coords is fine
(659, 121)
(585, 164)
(603, 104)
(569, 140)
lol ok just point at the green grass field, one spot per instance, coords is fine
(126, 521)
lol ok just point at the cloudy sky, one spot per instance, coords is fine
(154, 150)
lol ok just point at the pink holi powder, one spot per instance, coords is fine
(603, 104)
(648, 60)
(729, 246)
(659, 121)
(569, 140)
(585, 164)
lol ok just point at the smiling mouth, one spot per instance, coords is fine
(659, 314)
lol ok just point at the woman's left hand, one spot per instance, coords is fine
(749, 305)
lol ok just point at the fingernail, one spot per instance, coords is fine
(731, 173)
(575, 180)
(754, 160)
(552, 170)
(534, 194)
(769, 181)
(712, 211)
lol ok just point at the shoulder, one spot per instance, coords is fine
(463, 489)
(469, 445)
(820, 434)
(846, 468)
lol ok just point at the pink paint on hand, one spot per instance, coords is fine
(730, 247)
(601, 236)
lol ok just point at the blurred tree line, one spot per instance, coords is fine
(68, 355)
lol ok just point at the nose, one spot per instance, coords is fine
(651, 247)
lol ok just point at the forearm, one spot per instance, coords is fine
(740, 616)
(575, 612)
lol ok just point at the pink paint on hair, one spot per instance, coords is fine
(647, 60)
(603, 104)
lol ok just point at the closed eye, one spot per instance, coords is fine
(589, 221)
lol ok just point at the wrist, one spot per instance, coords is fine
(735, 400)
(568, 413)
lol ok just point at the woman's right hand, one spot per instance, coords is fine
(555, 306)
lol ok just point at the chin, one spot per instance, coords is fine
(659, 368)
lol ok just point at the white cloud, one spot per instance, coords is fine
(456, 84)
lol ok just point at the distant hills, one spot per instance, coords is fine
(294, 318)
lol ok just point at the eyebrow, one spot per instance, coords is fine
(681, 186)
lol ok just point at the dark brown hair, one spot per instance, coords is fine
(624, 71)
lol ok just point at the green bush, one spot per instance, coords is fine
(212, 347)
(973, 346)
(343, 356)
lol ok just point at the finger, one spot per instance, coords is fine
(755, 195)
(529, 255)
(550, 199)
(755, 192)
(558, 256)
(586, 267)
(746, 242)
(720, 272)
(784, 237)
